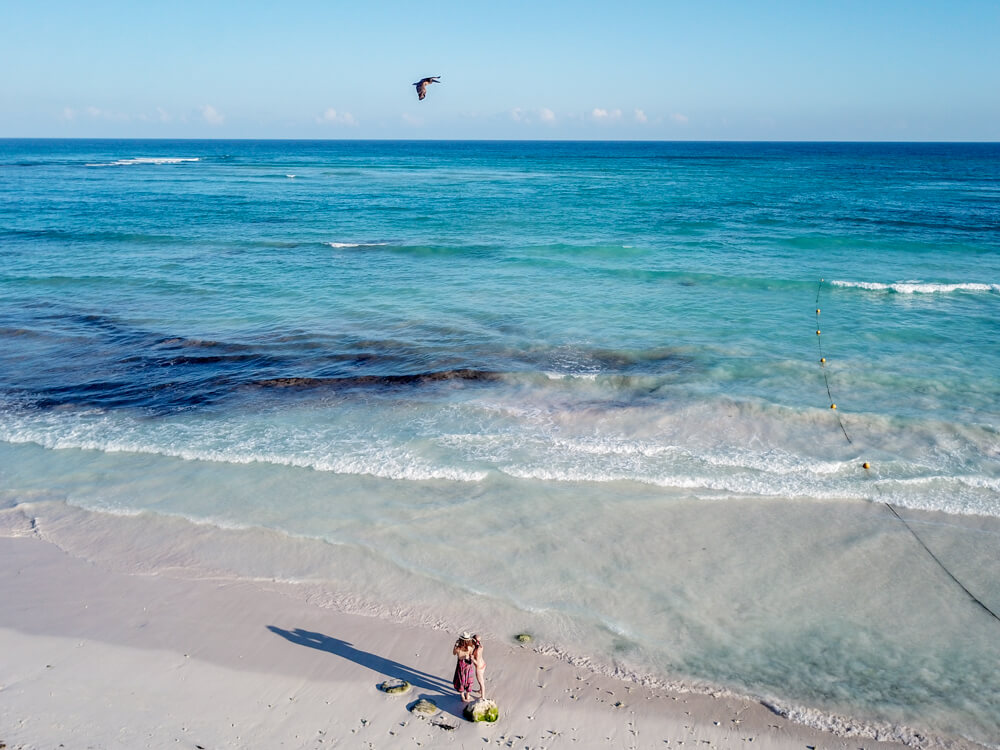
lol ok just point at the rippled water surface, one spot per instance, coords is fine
(571, 386)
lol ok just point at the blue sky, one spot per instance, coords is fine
(751, 70)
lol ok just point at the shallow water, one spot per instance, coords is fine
(567, 387)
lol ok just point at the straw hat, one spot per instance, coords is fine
(466, 636)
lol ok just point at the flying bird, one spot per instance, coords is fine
(422, 85)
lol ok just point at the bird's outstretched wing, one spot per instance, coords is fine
(422, 85)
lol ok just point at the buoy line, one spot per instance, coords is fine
(822, 364)
(866, 466)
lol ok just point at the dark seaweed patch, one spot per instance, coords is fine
(57, 358)
(380, 380)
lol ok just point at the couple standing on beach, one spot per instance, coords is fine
(470, 663)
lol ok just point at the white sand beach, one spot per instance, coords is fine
(97, 658)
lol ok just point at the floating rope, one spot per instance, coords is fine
(972, 596)
(866, 466)
(822, 364)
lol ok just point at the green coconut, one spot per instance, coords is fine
(523, 638)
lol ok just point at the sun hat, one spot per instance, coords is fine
(466, 636)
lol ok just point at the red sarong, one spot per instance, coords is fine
(464, 674)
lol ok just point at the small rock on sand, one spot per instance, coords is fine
(394, 687)
(425, 707)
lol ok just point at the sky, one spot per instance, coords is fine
(882, 70)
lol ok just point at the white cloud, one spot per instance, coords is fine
(163, 114)
(334, 117)
(679, 118)
(211, 115)
(526, 116)
(94, 113)
(640, 116)
(411, 120)
(605, 115)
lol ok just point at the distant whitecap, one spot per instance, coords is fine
(919, 287)
(147, 160)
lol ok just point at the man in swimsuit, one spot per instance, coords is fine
(470, 662)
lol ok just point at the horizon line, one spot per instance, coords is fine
(492, 140)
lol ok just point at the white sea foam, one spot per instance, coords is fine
(385, 462)
(985, 483)
(852, 727)
(773, 462)
(919, 287)
(755, 454)
(571, 375)
(617, 447)
(147, 160)
(339, 245)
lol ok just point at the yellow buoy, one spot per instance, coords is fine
(833, 406)
(822, 359)
(817, 333)
(865, 465)
(817, 311)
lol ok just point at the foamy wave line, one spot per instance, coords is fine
(616, 448)
(836, 724)
(792, 485)
(147, 160)
(383, 467)
(774, 462)
(766, 476)
(848, 727)
(918, 287)
(570, 375)
(339, 245)
(719, 484)
(979, 483)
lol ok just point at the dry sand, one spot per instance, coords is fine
(91, 658)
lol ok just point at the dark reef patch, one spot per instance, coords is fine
(380, 380)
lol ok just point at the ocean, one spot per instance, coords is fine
(569, 388)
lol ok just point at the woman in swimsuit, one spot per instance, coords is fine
(470, 662)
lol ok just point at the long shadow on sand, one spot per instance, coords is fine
(443, 691)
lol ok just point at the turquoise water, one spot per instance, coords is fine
(526, 374)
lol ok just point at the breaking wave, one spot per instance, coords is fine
(146, 160)
(918, 287)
